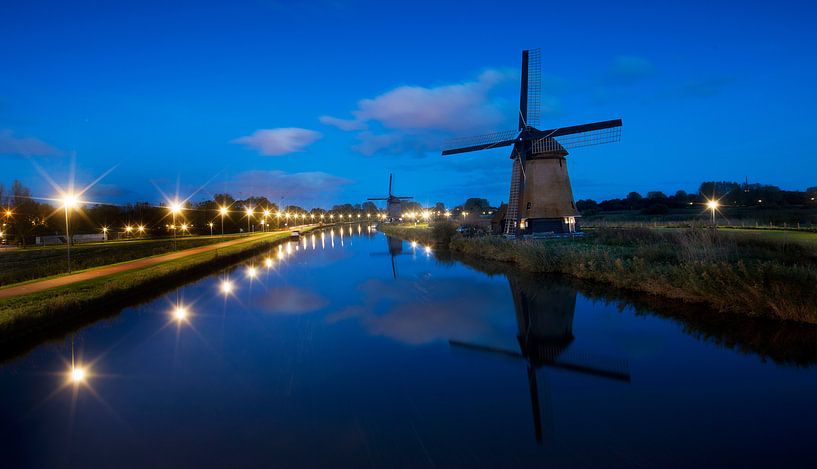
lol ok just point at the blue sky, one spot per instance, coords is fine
(317, 102)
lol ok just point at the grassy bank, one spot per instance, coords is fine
(22, 318)
(732, 272)
(20, 265)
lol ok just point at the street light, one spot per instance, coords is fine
(141, 229)
(249, 215)
(222, 211)
(104, 233)
(211, 228)
(712, 205)
(69, 201)
(175, 208)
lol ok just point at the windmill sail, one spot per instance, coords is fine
(534, 87)
(480, 142)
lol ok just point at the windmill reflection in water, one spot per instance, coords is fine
(544, 315)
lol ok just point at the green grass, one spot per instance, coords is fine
(760, 274)
(31, 315)
(20, 265)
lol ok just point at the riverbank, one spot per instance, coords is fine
(55, 309)
(732, 273)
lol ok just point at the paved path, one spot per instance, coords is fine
(38, 286)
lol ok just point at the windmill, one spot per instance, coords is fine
(541, 199)
(544, 316)
(392, 202)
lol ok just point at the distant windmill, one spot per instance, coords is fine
(393, 202)
(541, 199)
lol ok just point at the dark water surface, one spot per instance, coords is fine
(357, 350)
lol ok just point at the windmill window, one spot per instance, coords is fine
(528, 205)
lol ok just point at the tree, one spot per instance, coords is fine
(586, 204)
(717, 189)
(656, 195)
(476, 205)
(369, 207)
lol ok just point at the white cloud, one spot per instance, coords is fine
(10, 144)
(417, 118)
(311, 187)
(280, 141)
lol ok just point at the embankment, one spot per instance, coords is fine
(732, 273)
(34, 317)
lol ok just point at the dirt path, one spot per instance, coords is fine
(38, 286)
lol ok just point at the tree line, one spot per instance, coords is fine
(725, 192)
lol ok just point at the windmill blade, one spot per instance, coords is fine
(480, 142)
(576, 136)
(618, 371)
(403, 198)
(534, 96)
(390, 178)
(485, 348)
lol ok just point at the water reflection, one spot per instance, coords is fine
(434, 363)
(544, 317)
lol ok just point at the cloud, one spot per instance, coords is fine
(281, 141)
(10, 144)
(290, 300)
(425, 309)
(417, 118)
(343, 124)
(311, 186)
(628, 69)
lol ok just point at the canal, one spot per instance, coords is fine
(347, 348)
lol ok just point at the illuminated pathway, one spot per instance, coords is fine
(41, 285)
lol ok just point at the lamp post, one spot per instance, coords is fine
(222, 211)
(175, 208)
(211, 229)
(104, 233)
(712, 205)
(249, 215)
(69, 201)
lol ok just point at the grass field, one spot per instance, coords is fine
(28, 319)
(747, 272)
(19, 265)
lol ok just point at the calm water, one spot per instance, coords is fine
(357, 350)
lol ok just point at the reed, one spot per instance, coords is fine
(734, 273)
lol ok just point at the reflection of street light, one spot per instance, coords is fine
(712, 205)
(77, 375)
(69, 201)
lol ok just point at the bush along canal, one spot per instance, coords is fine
(383, 352)
(736, 273)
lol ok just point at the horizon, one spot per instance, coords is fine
(244, 99)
